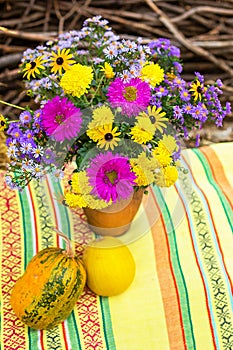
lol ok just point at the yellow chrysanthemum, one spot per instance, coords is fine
(101, 116)
(76, 80)
(169, 142)
(108, 70)
(109, 137)
(61, 60)
(33, 67)
(143, 130)
(74, 200)
(144, 176)
(152, 73)
(95, 203)
(156, 117)
(80, 183)
(162, 155)
(167, 176)
(95, 134)
(145, 162)
(2, 122)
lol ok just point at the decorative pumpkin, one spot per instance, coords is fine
(110, 266)
(51, 285)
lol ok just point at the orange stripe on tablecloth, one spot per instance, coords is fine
(167, 281)
(199, 269)
(218, 173)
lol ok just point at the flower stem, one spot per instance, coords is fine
(12, 105)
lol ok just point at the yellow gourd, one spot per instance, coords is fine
(110, 266)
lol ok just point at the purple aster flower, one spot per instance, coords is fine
(25, 117)
(219, 83)
(178, 113)
(228, 108)
(111, 177)
(197, 142)
(199, 113)
(161, 91)
(29, 135)
(48, 156)
(200, 77)
(178, 66)
(61, 119)
(184, 95)
(174, 50)
(132, 96)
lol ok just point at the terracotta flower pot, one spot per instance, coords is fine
(115, 219)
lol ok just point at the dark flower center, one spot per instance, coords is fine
(59, 118)
(199, 89)
(108, 136)
(130, 93)
(3, 123)
(112, 176)
(152, 119)
(33, 64)
(59, 61)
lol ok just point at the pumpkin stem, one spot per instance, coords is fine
(69, 250)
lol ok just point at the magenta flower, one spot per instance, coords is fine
(61, 119)
(111, 177)
(132, 96)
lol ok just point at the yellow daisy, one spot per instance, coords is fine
(108, 70)
(152, 73)
(157, 117)
(167, 176)
(33, 67)
(197, 88)
(76, 80)
(109, 137)
(101, 116)
(143, 130)
(2, 122)
(61, 60)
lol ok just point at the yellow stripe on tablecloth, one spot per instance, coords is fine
(137, 315)
(224, 152)
(191, 273)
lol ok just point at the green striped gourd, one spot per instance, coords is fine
(47, 292)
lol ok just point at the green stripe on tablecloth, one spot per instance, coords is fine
(107, 324)
(27, 227)
(225, 204)
(183, 293)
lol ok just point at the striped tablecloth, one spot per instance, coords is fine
(181, 297)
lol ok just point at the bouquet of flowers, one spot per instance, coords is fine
(117, 109)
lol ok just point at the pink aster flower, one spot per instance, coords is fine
(110, 176)
(61, 119)
(132, 96)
